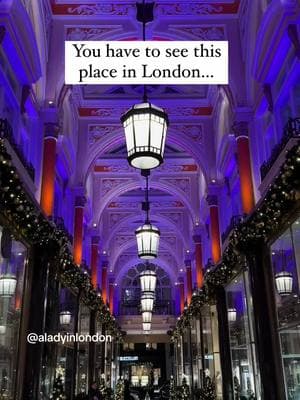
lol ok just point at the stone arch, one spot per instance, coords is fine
(116, 139)
(136, 185)
(130, 219)
(135, 260)
(132, 243)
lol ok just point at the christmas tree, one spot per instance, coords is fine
(119, 393)
(208, 392)
(185, 390)
(58, 389)
(172, 389)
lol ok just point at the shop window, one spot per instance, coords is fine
(83, 353)
(246, 380)
(12, 268)
(58, 357)
(205, 349)
(286, 266)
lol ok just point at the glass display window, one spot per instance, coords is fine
(13, 261)
(245, 372)
(205, 349)
(285, 252)
(83, 350)
(58, 358)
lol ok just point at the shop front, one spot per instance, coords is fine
(13, 275)
(244, 364)
(285, 253)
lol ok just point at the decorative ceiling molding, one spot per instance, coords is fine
(197, 8)
(112, 112)
(154, 204)
(164, 168)
(107, 185)
(182, 184)
(163, 7)
(211, 32)
(90, 32)
(96, 132)
(94, 9)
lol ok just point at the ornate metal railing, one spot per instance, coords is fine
(234, 222)
(291, 130)
(6, 132)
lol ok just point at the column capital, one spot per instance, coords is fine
(80, 201)
(181, 280)
(240, 129)
(212, 200)
(51, 130)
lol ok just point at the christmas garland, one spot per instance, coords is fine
(25, 217)
(281, 197)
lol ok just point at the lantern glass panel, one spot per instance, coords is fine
(146, 326)
(8, 284)
(284, 283)
(148, 281)
(147, 301)
(147, 316)
(231, 314)
(65, 318)
(145, 128)
(147, 241)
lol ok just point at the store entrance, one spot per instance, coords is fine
(144, 367)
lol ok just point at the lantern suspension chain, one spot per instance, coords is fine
(145, 98)
(146, 206)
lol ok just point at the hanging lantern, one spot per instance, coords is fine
(8, 285)
(231, 314)
(145, 128)
(65, 318)
(146, 326)
(148, 281)
(2, 329)
(147, 301)
(284, 283)
(147, 316)
(147, 237)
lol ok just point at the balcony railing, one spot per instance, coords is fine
(161, 307)
(291, 130)
(7, 133)
(234, 222)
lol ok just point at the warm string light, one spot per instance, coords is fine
(24, 216)
(279, 198)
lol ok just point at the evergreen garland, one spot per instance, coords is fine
(281, 197)
(25, 218)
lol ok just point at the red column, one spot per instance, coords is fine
(104, 281)
(78, 229)
(94, 259)
(181, 293)
(244, 164)
(199, 261)
(189, 283)
(48, 169)
(214, 228)
(111, 295)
